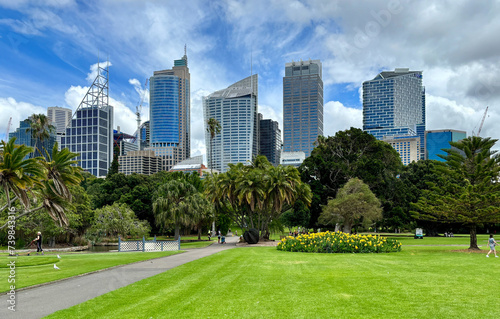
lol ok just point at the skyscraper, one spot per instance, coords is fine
(302, 105)
(270, 140)
(394, 106)
(169, 113)
(437, 140)
(24, 136)
(90, 131)
(60, 117)
(235, 108)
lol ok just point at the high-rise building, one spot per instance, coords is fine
(302, 106)
(394, 106)
(90, 131)
(292, 158)
(169, 113)
(59, 117)
(144, 135)
(408, 147)
(270, 140)
(235, 108)
(437, 140)
(24, 136)
(140, 162)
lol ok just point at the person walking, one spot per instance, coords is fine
(492, 244)
(38, 240)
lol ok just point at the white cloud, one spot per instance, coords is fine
(93, 70)
(338, 117)
(19, 111)
(123, 116)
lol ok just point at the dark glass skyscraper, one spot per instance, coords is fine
(270, 140)
(302, 105)
(394, 106)
(24, 136)
(169, 113)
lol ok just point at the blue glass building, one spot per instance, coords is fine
(169, 113)
(235, 108)
(302, 106)
(394, 106)
(23, 137)
(437, 140)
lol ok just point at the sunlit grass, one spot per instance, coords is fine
(262, 282)
(33, 270)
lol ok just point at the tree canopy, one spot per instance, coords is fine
(348, 154)
(255, 195)
(467, 191)
(354, 204)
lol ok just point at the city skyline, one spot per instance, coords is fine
(50, 50)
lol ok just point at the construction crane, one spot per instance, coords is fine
(138, 110)
(8, 128)
(482, 122)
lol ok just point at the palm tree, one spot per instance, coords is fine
(40, 129)
(213, 127)
(61, 170)
(172, 203)
(17, 174)
(38, 177)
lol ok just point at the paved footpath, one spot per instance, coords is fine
(43, 300)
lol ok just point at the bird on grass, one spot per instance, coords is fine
(58, 256)
(55, 267)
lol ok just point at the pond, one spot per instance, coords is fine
(100, 249)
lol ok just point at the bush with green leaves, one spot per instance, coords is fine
(117, 219)
(339, 242)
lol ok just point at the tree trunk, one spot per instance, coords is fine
(347, 228)
(473, 238)
(177, 231)
(199, 233)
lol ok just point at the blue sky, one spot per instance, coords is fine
(48, 51)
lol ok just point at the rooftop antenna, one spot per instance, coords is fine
(251, 70)
(185, 49)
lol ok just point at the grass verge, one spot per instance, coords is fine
(33, 270)
(261, 282)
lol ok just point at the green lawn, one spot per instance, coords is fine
(261, 282)
(32, 270)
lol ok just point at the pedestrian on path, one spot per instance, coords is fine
(492, 244)
(38, 240)
(218, 237)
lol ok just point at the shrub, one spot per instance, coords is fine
(339, 242)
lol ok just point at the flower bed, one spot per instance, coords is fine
(338, 242)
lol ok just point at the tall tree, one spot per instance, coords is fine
(48, 178)
(173, 202)
(355, 203)
(213, 127)
(348, 154)
(471, 193)
(255, 195)
(40, 129)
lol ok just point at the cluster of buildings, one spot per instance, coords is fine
(393, 111)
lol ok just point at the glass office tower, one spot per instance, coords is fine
(24, 136)
(169, 113)
(437, 140)
(270, 140)
(235, 108)
(90, 131)
(302, 105)
(394, 106)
